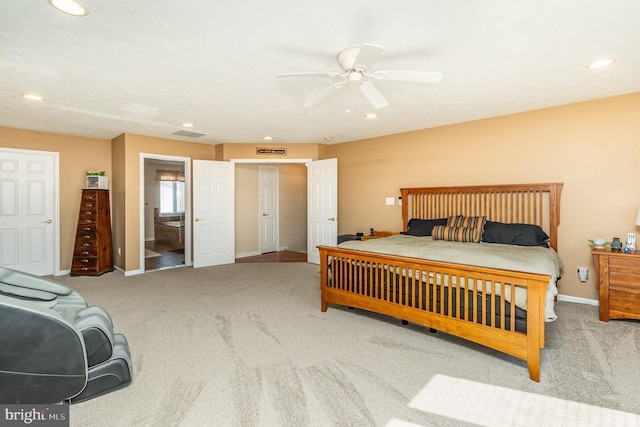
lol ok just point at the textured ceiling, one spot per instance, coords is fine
(145, 67)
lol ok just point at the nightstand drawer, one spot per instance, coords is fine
(624, 272)
(624, 300)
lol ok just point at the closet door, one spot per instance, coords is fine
(28, 210)
(213, 213)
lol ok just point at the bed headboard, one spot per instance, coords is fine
(511, 203)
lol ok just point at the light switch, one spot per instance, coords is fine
(390, 201)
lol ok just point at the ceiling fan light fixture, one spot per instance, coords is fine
(356, 63)
(70, 7)
(601, 63)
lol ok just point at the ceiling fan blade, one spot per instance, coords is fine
(313, 73)
(323, 95)
(367, 56)
(373, 95)
(409, 76)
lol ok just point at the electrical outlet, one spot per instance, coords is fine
(119, 251)
(583, 274)
(390, 201)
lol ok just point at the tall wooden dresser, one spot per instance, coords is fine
(93, 250)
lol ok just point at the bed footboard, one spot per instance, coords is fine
(466, 301)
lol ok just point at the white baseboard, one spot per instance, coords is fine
(62, 273)
(578, 300)
(128, 273)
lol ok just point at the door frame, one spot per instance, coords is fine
(276, 161)
(187, 205)
(56, 201)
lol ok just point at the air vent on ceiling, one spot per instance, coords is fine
(189, 134)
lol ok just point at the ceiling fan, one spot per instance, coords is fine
(356, 61)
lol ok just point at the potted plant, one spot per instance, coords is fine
(97, 179)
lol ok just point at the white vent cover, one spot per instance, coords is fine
(189, 134)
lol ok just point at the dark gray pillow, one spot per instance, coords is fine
(423, 227)
(514, 234)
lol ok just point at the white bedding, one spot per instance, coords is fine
(520, 258)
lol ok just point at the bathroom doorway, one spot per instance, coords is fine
(165, 208)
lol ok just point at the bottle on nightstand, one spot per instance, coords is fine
(631, 243)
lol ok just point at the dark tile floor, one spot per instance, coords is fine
(175, 258)
(282, 256)
(168, 257)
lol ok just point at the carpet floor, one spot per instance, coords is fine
(247, 345)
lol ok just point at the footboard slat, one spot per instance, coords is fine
(475, 303)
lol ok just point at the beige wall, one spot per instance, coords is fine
(293, 207)
(292, 204)
(77, 156)
(248, 151)
(127, 187)
(592, 147)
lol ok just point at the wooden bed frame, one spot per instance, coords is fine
(380, 283)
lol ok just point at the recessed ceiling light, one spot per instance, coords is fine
(187, 125)
(601, 63)
(69, 6)
(347, 111)
(371, 116)
(32, 97)
(268, 138)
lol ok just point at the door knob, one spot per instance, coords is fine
(264, 214)
(49, 221)
(333, 218)
(198, 218)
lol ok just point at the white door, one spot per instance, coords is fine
(213, 213)
(322, 210)
(268, 189)
(28, 210)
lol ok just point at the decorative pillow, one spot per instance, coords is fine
(423, 227)
(455, 234)
(455, 221)
(472, 222)
(514, 234)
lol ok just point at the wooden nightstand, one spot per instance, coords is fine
(377, 234)
(618, 280)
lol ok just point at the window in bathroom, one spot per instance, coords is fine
(171, 197)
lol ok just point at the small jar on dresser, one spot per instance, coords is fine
(93, 249)
(618, 280)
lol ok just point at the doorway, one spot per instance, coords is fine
(164, 228)
(288, 239)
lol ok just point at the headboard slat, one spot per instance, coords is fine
(510, 203)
